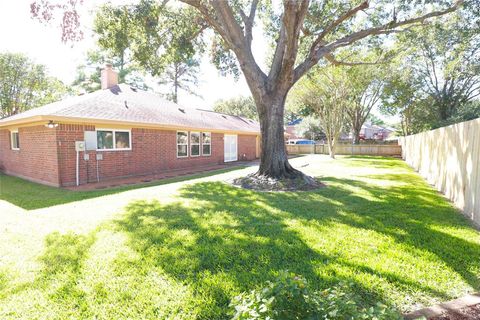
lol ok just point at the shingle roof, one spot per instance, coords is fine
(123, 103)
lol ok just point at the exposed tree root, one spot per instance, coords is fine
(293, 182)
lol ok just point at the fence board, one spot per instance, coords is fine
(449, 159)
(345, 149)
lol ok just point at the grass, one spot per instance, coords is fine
(29, 195)
(376, 224)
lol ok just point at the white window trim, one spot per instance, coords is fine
(114, 142)
(177, 144)
(210, 144)
(11, 139)
(195, 144)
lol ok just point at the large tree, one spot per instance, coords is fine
(303, 33)
(25, 85)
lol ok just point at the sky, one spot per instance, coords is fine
(42, 43)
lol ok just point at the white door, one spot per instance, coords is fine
(230, 147)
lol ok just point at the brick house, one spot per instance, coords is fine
(117, 132)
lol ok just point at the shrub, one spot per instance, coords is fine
(289, 297)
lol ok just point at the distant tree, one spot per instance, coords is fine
(327, 94)
(181, 75)
(401, 96)
(310, 128)
(113, 28)
(238, 106)
(87, 78)
(437, 78)
(25, 85)
(366, 83)
(373, 119)
(137, 33)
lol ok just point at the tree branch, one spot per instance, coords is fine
(347, 15)
(221, 17)
(331, 58)
(386, 28)
(248, 22)
(293, 18)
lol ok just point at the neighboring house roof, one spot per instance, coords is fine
(122, 103)
(376, 127)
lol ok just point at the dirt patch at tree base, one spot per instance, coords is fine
(467, 313)
(263, 183)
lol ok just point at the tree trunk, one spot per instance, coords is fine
(274, 161)
(175, 84)
(356, 135)
(331, 147)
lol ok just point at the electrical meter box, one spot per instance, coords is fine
(79, 145)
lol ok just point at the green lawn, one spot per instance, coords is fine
(29, 195)
(377, 224)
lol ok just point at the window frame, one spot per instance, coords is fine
(209, 144)
(114, 139)
(187, 144)
(199, 144)
(12, 132)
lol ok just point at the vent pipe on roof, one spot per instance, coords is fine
(109, 77)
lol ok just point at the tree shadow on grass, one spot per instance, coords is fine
(413, 215)
(230, 240)
(226, 240)
(221, 251)
(423, 216)
(58, 278)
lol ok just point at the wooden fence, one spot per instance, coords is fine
(346, 149)
(449, 159)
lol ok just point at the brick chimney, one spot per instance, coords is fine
(109, 77)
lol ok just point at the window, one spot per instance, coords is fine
(206, 143)
(15, 139)
(122, 140)
(182, 144)
(113, 140)
(194, 144)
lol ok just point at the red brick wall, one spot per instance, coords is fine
(37, 158)
(67, 134)
(247, 146)
(152, 151)
(48, 155)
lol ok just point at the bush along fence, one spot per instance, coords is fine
(449, 159)
(347, 149)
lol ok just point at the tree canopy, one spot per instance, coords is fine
(158, 39)
(436, 79)
(25, 85)
(237, 106)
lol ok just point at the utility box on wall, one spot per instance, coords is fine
(79, 146)
(90, 140)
